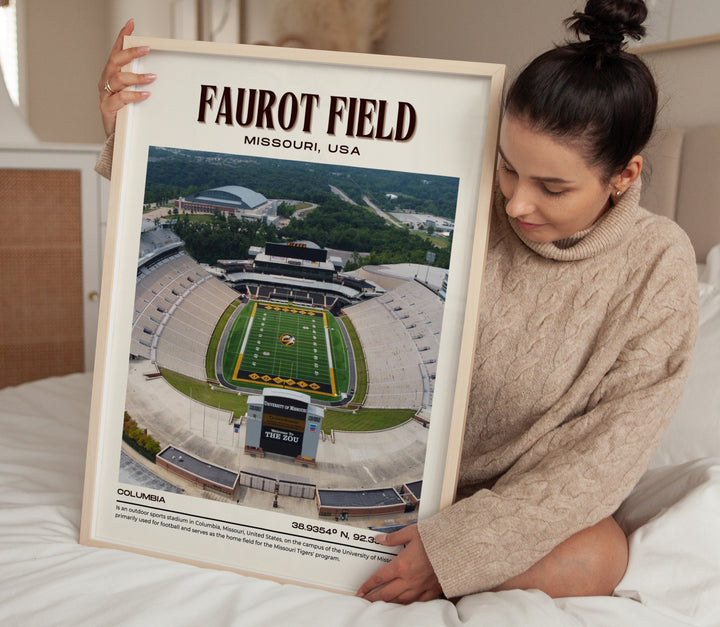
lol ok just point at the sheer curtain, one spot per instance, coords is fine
(346, 25)
(9, 49)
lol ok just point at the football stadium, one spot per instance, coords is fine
(288, 346)
(278, 381)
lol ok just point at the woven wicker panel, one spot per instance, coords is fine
(41, 291)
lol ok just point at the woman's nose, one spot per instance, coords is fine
(519, 203)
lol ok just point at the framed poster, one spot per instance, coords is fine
(291, 283)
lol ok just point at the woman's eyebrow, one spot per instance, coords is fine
(543, 179)
(502, 154)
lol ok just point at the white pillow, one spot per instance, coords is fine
(695, 429)
(709, 272)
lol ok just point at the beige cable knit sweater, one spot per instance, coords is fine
(583, 349)
(104, 163)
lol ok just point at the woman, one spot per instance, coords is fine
(588, 320)
(587, 326)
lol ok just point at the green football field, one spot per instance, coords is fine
(287, 346)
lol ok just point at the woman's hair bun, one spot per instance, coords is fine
(592, 93)
(609, 22)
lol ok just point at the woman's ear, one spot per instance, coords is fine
(629, 174)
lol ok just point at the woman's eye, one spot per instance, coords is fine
(551, 192)
(505, 167)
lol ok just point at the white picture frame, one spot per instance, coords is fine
(429, 123)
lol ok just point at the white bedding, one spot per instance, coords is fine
(47, 578)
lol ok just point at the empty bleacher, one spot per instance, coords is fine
(400, 335)
(177, 306)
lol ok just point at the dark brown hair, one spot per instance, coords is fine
(592, 91)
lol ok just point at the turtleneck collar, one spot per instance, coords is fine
(605, 234)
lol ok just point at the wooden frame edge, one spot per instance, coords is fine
(475, 280)
(677, 44)
(448, 475)
(102, 347)
(327, 57)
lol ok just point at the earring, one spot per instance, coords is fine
(618, 193)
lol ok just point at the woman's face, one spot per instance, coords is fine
(551, 193)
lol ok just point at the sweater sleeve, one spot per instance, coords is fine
(579, 472)
(104, 163)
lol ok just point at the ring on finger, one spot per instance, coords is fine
(109, 89)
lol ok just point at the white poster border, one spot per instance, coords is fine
(446, 117)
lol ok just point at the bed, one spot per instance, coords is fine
(672, 517)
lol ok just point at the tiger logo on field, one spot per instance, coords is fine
(287, 340)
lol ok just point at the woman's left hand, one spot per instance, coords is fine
(408, 577)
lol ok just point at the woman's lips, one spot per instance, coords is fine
(527, 226)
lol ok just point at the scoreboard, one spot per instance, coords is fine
(283, 425)
(283, 422)
(295, 250)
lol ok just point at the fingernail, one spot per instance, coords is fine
(150, 77)
(380, 537)
(144, 49)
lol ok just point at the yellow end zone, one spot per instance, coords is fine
(287, 309)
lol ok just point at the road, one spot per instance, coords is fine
(368, 203)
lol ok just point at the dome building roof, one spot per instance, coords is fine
(230, 197)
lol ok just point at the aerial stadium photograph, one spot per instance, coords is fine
(286, 329)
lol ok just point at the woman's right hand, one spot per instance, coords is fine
(113, 81)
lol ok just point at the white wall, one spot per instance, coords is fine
(496, 31)
(687, 80)
(671, 20)
(153, 18)
(65, 48)
(514, 31)
(67, 45)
